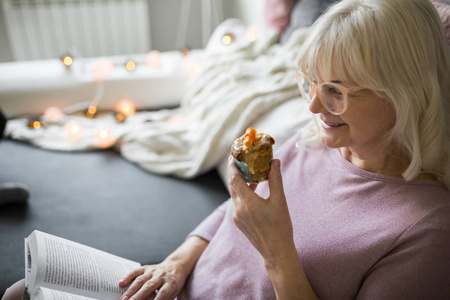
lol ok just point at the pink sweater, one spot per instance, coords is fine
(359, 235)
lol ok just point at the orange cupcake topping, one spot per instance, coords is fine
(249, 136)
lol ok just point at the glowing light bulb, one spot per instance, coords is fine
(67, 60)
(130, 65)
(227, 39)
(185, 51)
(119, 117)
(253, 34)
(91, 111)
(34, 124)
(101, 68)
(73, 131)
(53, 114)
(126, 107)
(104, 138)
(176, 120)
(153, 59)
(191, 66)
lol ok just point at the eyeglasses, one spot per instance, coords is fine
(333, 96)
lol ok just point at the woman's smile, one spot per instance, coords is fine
(331, 125)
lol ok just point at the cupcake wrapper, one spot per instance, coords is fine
(243, 169)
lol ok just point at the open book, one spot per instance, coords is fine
(56, 268)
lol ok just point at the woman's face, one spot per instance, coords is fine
(361, 127)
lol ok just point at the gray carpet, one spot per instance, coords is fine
(99, 199)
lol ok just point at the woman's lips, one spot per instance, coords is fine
(328, 125)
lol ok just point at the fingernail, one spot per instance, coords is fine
(276, 164)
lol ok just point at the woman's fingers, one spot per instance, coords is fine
(276, 180)
(147, 289)
(142, 286)
(166, 292)
(130, 276)
(237, 185)
(166, 279)
(135, 287)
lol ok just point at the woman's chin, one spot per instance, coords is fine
(331, 141)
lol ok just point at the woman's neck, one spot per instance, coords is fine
(392, 163)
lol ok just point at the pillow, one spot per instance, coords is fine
(444, 12)
(304, 14)
(277, 14)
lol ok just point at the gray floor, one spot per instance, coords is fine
(101, 200)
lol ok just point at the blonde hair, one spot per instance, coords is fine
(398, 49)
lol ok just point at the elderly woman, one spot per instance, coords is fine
(363, 214)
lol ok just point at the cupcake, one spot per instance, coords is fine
(252, 153)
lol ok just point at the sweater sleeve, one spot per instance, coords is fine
(208, 228)
(418, 264)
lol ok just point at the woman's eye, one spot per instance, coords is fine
(331, 90)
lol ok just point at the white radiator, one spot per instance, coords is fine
(44, 29)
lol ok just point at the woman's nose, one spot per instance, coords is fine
(315, 106)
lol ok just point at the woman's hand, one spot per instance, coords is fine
(265, 222)
(268, 226)
(168, 277)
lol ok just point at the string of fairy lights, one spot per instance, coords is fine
(124, 108)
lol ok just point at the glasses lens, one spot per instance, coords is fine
(333, 97)
(304, 86)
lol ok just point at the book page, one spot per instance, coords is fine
(48, 294)
(27, 263)
(32, 260)
(79, 269)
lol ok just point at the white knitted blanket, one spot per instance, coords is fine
(236, 86)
